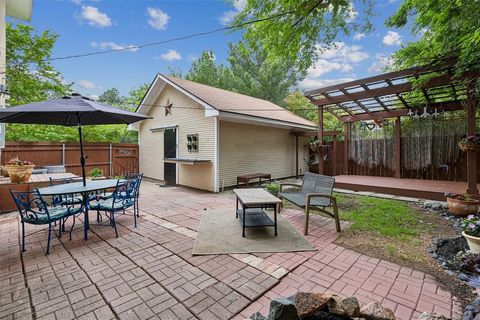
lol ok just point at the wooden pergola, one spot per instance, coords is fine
(395, 94)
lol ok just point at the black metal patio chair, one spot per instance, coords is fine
(315, 194)
(139, 176)
(69, 199)
(122, 198)
(34, 210)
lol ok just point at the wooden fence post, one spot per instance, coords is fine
(110, 159)
(398, 148)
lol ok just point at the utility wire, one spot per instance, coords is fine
(194, 35)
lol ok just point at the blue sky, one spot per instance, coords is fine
(90, 25)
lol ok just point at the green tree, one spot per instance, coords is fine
(445, 29)
(254, 75)
(205, 70)
(301, 27)
(301, 106)
(30, 76)
(112, 97)
(248, 72)
(136, 95)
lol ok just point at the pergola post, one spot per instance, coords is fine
(345, 148)
(398, 148)
(472, 102)
(296, 156)
(320, 140)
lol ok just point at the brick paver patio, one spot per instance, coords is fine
(150, 273)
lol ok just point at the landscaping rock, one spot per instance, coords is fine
(435, 205)
(351, 307)
(257, 316)
(432, 316)
(308, 304)
(282, 309)
(335, 306)
(375, 311)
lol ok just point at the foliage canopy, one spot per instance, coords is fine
(445, 29)
(301, 29)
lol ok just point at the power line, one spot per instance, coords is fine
(194, 35)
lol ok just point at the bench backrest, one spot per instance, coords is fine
(316, 183)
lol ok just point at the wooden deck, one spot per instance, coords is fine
(425, 189)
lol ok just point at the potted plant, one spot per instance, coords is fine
(19, 171)
(470, 143)
(471, 232)
(96, 174)
(461, 205)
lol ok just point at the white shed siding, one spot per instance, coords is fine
(190, 118)
(248, 149)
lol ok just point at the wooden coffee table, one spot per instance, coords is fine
(253, 203)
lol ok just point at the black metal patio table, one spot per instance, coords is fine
(253, 203)
(84, 190)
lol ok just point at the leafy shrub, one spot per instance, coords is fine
(273, 187)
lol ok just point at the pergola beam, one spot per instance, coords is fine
(379, 78)
(447, 106)
(379, 92)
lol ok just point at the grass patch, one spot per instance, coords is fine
(383, 216)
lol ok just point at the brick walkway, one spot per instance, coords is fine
(149, 272)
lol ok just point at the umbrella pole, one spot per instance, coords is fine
(82, 158)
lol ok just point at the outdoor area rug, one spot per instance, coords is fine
(221, 233)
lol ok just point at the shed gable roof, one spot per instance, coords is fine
(231, 102)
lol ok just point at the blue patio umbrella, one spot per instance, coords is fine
(73, 110)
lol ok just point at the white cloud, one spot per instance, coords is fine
(240, 4)
(340, 57)
(171, 55)
(227, 17)
(342, 52)
(95, 17)
(392, 38)
(381, 63)
(359, 36)
(114, 46)
(157, 18)
(85, 84)
(323, 66)
(79, 2)
(310, 84)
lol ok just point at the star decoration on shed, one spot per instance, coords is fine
(168, 107)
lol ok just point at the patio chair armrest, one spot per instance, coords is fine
(289, 185)
(318, 195)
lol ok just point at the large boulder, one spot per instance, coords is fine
(375, 311)
(308, 304)
(432, 316)
(282, 309)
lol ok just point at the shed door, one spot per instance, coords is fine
(170, 151)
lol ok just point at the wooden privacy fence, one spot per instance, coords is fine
(113, 158)
(335, 165)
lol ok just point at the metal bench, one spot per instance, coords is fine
(245, 179)
(315, 194)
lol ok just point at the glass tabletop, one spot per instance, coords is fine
(78, 187)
